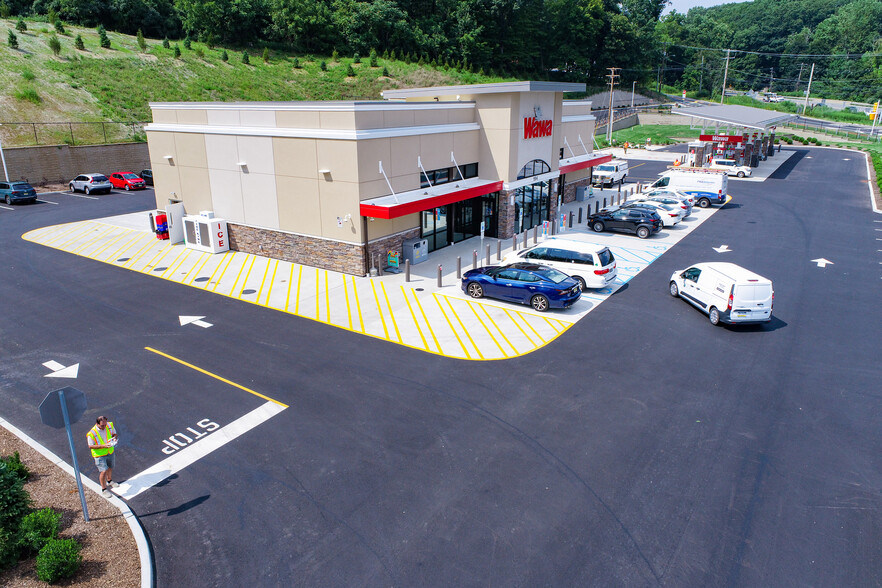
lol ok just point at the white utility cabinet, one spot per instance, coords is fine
(206, 233)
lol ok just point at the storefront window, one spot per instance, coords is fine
(532, 203)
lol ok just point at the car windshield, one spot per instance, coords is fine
(606, 257)
(99, 178)
(552, 275)
(21, 186)
(130, 176)
(606, 168)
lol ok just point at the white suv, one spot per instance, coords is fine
(731, 167)
(592, 265)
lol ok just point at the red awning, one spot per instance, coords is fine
(389, 207)
(572, 164)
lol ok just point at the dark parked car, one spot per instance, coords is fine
(147, 176)
(639, 221)
(527, 283)
(17, 192)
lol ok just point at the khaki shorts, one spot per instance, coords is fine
(104, 462)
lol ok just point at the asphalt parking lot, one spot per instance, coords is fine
(642, 446)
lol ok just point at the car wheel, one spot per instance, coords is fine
(714, 315)
(9, 200)
(598, 227)
(72, 189)
(674, 290)
(539, 303)
(704, 202)
(475, 290)
(740, 174)
(86, 190)
(582, 285)
(127, 188)
(642, 232)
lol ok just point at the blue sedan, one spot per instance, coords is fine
(539, 286)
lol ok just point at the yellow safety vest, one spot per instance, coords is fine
(95, 437)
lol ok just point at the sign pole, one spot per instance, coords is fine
(73, 454)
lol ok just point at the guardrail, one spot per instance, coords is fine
(28, 134)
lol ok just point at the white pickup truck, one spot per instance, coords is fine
(612, 172)
(731, 167)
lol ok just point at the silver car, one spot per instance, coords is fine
(89, 183)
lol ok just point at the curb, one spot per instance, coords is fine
(144, 552)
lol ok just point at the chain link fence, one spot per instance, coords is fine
(29, 134)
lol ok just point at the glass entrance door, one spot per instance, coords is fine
(466, 220)
(434, 227)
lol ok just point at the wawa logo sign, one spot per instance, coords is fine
(535, 127)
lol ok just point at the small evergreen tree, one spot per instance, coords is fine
(392, 55)
(177, 51)
(266, 54)
(350, 71)
(335, 56)
(374, 58)
(188, 44)
(385, 72)
(386, 53)
(209, 40)
(166, 44)
(59, 27)
(296, 63)
(245, 59)
(78, 43)
(225, 56)
(102, 37)
(421, 62)
(142, 43)
(52, 16)
(54, 44)
(323, 66)
(356, 58)
(20, 26)
(12, 40)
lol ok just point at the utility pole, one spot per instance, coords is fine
(725, 76)
(701, 76)
(809, 89)
(771, 77)
(799, 79)
(612, 75)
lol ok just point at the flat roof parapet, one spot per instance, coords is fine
(471, 89)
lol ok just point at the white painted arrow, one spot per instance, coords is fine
(822, 262)
(722, 249)
(186, 320)
(59, 371)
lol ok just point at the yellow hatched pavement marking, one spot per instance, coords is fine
(195, 266)
(104, 247)
(358, 304)
(327, 298)
(551, 324)
(464, 329)
(526, 322)
(262, 280)
(185, 253)
(149, 265)
(74, 227)
(71, 241)
(415, 322)
(348, 308)
(136, 257)
(501, 332)
(380, 310)
(245, 281)
(428, 324)
(297, 305)
(115, 255)
(272, 281)
(391, 313)
(239, 275)
(228, 258)
(486, 328)
(91, 242)
(515, 322)
(450, 324)
(290, 283)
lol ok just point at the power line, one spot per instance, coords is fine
(795, 55)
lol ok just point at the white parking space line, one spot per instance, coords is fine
(6, 208)
(197, 450)
(80, 195)
(46, 201)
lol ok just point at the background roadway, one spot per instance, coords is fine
(642, 447)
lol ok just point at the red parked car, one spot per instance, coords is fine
(127, 181)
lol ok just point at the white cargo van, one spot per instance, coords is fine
(726, 292)
(707, 186)
(610, 173)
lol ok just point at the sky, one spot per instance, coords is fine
(683, 6)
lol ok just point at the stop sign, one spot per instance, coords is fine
(51, 412)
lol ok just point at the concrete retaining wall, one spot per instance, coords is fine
(58, 164)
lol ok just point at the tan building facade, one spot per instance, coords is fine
(338, 185)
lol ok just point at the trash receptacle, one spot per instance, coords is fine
(415, 250)
(580, 193)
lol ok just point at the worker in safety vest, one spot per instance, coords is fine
(102, 438)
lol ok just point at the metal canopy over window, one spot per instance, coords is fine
(404, 203)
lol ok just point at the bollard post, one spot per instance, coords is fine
(514, 242)
(498, 249)
(525, 238)
(406, 270)
(580, 215)
(553, 227)
(439, 275)
(535, 234)
(458, 267)
(604, 202)
(380, 263)
(596, 207)
(488, 254)
(571, 221)
(474, 259)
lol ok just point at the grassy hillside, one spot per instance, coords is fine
(116, 84)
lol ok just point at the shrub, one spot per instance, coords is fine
(55, 45)
(38, 528)
(10, 548)
(15, 502)
(266, 54)
(12, 40)
(14, 461)
(59, 27)
(209, 40)
(385, 72)
(142, 43)
(102, 36)
(59, 558)
(199, 52)
(335, 56)
(245, 59)
(392, 55)
(350, 71)
(296, 63)
(52, 16)
(29, 95)
(177, 51)
(166, 44)
(78, 43)
(188, 44)
(356, 58)
(374, 58)
(225, 56)
(323, 66)
(20, 26)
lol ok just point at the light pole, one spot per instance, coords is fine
(5, 172)
(634, 83)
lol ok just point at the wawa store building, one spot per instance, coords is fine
(338, 184)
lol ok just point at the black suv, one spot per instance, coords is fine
(639, 221)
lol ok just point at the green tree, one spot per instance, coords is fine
(323, 66)
(103, 40)
(227, 20)
(177, 51)
(54, 45)
(356, 58)
(350, 71)
(266, 56)
(306, 25)
(188, 44)
(78, 43)
(166, 44)
(373, 58)
(5, 10)
(142, 43)
(20, 26)
(225, 56)
(59, 27)
(12, 40)
(245, 59)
